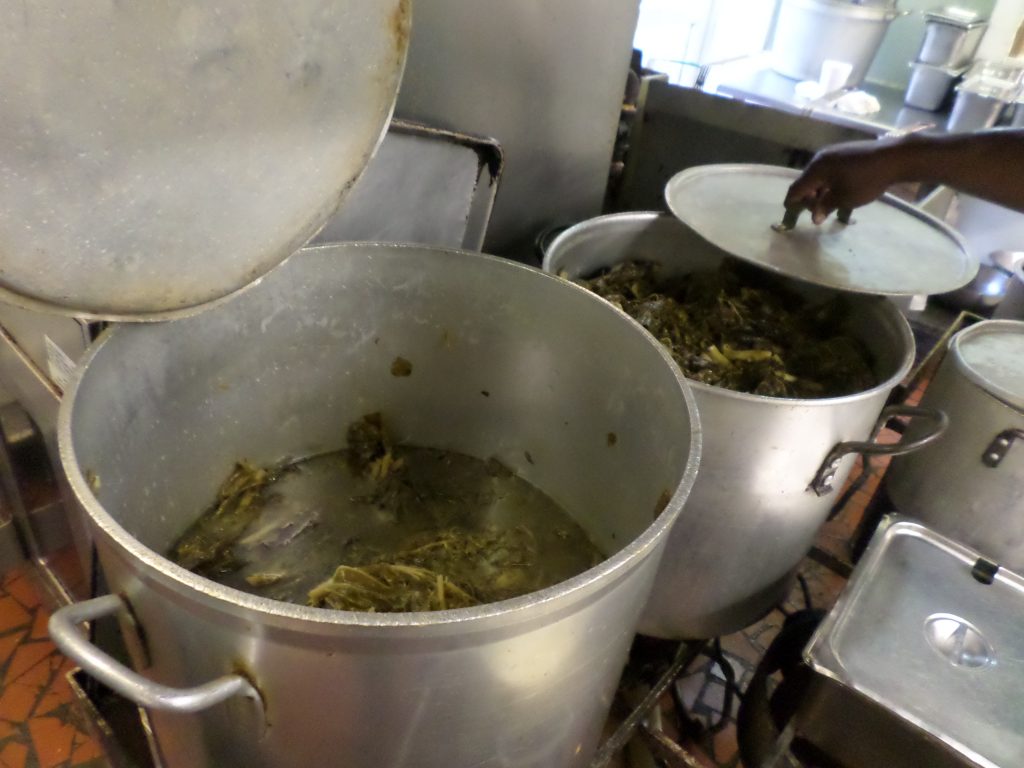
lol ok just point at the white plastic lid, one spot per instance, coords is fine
(991, 87)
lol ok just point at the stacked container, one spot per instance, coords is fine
(951, 38)
(988, 89)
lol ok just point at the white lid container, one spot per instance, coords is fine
(980, 101)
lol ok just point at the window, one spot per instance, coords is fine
(678, 36)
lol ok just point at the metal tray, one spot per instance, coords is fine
(426, 185)
(890, 247)
(925, 646)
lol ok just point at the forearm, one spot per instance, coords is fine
(988, 164)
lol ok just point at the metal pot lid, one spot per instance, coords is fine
(162, 156)
(890, 247)
(991, 354)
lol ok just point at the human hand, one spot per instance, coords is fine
(844, 176)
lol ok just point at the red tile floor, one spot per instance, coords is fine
(39, 725)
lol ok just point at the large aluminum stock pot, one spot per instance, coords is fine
(769, 465)
(506, 362)
(970, 484)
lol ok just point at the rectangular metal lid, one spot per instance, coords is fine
(921, 635)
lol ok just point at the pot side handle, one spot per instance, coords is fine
(824, 479)
(119, 678)
(1000, 446)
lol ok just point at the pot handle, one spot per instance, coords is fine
(792, 215)
(1000, 446)
(823, 481)
(119, 678)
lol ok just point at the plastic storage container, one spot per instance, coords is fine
(975, 109)
(1010, 71)
(951, 37)
(982, 98)
(930, 85)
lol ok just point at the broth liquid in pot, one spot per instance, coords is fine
(385, 528)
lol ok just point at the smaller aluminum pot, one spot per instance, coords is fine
(970, 484)
(769, 465)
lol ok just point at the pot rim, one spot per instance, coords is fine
(710, 390)
(177, 577)
(955, 349)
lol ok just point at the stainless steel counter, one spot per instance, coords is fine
(750, 82)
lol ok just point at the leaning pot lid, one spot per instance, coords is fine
(991, 354)
(956, 17)
(159, 157)
(890, 247)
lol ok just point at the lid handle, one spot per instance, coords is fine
(793, 214)
(1000, 446)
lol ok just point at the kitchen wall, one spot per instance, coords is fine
(1006, 18)
(904, 39)
(543, 77)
